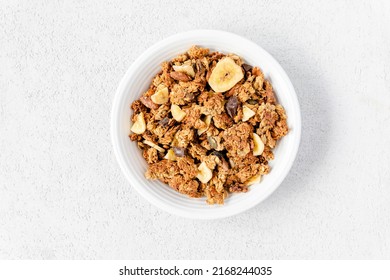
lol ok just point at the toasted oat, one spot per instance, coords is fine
(207, 146)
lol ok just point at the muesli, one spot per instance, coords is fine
(207, 124)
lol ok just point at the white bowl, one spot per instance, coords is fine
(137, 80)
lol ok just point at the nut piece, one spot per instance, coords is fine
(247, 113)
(161, 96)
(170, 155)
(253, 180)
(185, 68)
(212, 142)
(139, 126)
(225, 75)
(180, 76)
(177, 113)
(148, 102)
(204, 173)
(207, 121)
(258, 145)
(151, 144)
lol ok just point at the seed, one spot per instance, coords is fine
(213, 143)
(164, 121)
(218, 154)
(252, 102)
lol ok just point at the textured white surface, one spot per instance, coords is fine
(62, 194)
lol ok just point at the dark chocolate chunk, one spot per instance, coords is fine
(231, 106)
(247, 67)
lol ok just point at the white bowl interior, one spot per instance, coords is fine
(137, 80)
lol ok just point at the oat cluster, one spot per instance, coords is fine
(207, 124)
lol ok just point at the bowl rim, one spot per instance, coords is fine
(115, 124)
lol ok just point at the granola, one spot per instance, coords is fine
(207, 124)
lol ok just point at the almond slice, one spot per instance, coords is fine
(185, 68)
(151, 144)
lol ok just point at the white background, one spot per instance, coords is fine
(280, 269)
(62, 194)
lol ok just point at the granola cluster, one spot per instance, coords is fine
(207, 124)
